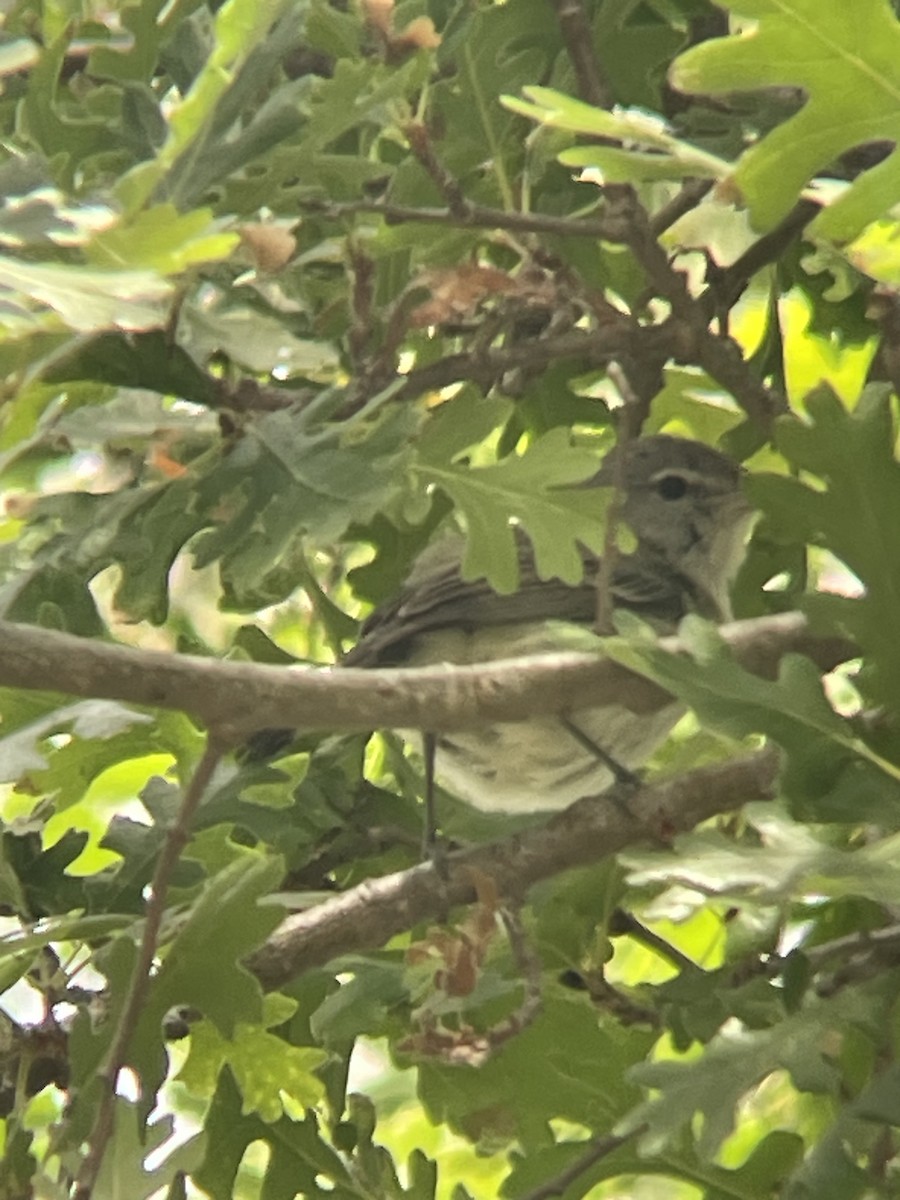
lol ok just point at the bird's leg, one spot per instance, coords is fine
(625, 782)
(433, 848)
(620, 774)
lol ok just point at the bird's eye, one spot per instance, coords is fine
(672, 487)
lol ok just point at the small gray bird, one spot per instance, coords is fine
(683, 503)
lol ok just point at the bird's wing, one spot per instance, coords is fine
(441, 599)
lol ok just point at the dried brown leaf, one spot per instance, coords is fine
(270, 246)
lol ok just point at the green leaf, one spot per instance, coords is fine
(103, 733)
(638, 41)
(260, 343)
(203, 967)
(87, 300)
(505, 1098)
(124, 1172)
(292, 477)
(495, 50)
(733, 1063)
(827, 757)
(18, 951)
(368, 1003)
(57, 128)
(300, 1159)
(829, 1172)
(239, 26)
(224, 925)
(161, 239)
(138, 846)
(876, 252)
(134, 419)
(266, 1068)
(142, 360)
(852, 453)
(661, 155)
(533, 489)
(137, 60)
(845, 58)
(789, 858)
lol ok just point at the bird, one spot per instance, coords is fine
(683, 503)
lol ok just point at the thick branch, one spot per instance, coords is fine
(592, 829)
(237, 698)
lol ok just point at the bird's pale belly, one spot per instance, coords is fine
(537, 764)
(532, 765)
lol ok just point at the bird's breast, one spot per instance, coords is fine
(537, 764)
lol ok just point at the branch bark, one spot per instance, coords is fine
(369, 915)
(234, 699)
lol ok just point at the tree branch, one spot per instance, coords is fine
(578, 36)
(476, 216)
(728, 284)
(719, 356)
(369, 915)
(237, 698)
(420, 144)
(597, 347)
(688, 197)
(599, 1148)
(176, 840)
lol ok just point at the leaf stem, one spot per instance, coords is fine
(496, 152)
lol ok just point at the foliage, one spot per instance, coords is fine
(287, 290)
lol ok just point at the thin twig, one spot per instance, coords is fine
(626, 923)
(362, 274)
(468, 946)
(603, 622)
(529, 964)
(688, 197)
(719, 356)
(600, 1148)
(380, 371)
(884, 941)
(884, 309)
(423, 150)
(689, 332)
(176, 839)
(869, 953)
(606, 998)
(476, 216)
(593, 86)
(729, 283)
(595, 347)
